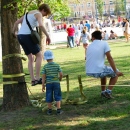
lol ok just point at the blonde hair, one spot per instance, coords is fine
(85, 29)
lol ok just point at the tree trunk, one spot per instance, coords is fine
(14, 95)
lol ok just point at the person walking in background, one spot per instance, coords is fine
(30, 48)
(127, 31)
(95, 64)
(119, 21)
(70, 37)
(65, 26)
(51, 76)
(76, 28)
(77, 36)
(123, 27)
(81, 25)
(88, 26)
(85, 39)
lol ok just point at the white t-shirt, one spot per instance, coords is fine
(76, 28)
(84, 37)
(81, 27)
(33, 22)
(95, 56)
(106, 37)
(78, 34)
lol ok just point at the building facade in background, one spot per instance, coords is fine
(88, 7)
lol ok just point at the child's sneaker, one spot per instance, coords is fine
(106, 95)
(59, 111)
(103, 94)
(109, 95)
(49, 111)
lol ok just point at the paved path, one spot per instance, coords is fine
(60, 37)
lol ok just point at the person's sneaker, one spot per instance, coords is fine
(59, 112)
(103, 94)
(49, 111)
(109, 95)
(106, 95)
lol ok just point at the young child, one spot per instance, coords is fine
(52, 75)
(85, 39)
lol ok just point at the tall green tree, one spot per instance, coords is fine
(100, 6)
(119, 6)
(59, 9)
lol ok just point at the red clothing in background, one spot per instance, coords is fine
(64, 26)
(119, 19)
(70, 31)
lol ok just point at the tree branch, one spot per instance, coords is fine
(27, 6)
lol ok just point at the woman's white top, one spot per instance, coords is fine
(85, 38)
(33, 22)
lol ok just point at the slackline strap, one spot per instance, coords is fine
(14, 55)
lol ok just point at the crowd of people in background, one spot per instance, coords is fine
(78, 33)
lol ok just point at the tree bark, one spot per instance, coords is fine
(14, 95)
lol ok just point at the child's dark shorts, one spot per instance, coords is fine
(28, 45)
(107, 72)
(53, 88)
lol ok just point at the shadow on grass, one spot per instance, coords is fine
(96, 113)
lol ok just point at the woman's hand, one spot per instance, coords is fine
(48, 40)
(15, 34)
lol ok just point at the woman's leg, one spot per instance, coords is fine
(127, 36)
(85, 47)
(38, 64)
(30, 66)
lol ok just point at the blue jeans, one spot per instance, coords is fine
(53, 89)
(71, 41)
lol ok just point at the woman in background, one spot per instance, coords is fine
(126, 29)
(85, 39)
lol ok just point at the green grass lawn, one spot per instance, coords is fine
(96, 114)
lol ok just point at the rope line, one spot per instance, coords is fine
(15, 55)
(13, 75)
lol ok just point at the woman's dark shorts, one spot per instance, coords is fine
(28, 45)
